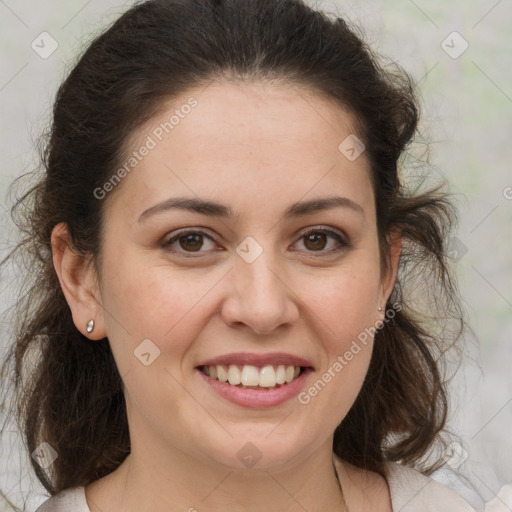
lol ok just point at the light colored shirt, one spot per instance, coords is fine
(411, 491)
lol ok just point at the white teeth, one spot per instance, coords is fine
(281, 374)
(252, 376)
(267, 377)
(221, 373)
(234, 375)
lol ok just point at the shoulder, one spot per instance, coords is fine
(65, 501)
(404, 489)
(366, 490)
(412, 491)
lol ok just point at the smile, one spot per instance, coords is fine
(252, 377)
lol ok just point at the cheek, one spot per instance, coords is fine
(344, 301)
(342, 307)
(148, 301)
(169, 309)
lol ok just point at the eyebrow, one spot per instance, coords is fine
(215, 209)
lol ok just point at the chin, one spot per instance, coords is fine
(265, 450)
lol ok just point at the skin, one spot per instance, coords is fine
(257, 148)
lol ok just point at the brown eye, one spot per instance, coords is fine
(315, 241)
(318, 241)
(189, 242)
(192, 242)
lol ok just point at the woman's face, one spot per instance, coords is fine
(285, 280)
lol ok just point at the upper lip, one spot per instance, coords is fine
(245, 358)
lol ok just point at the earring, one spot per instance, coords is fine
(380, 322)
(90, 326)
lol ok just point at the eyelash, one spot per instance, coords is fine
(343, 244)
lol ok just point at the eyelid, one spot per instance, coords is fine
(185, 231)
(323, 229)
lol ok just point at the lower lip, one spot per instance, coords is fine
(254, 398)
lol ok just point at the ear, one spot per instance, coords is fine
(79, 283)
(389, 277)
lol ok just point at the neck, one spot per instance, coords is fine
(154, 480)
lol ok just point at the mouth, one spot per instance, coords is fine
(268, 377)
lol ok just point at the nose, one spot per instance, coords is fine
(259, 297)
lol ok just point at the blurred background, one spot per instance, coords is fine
(459, 53)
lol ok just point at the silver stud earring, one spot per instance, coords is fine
(90, 326)
(380, 309)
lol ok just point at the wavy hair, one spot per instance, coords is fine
(67, 391)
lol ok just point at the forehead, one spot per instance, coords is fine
(265, 111)
(269, 140)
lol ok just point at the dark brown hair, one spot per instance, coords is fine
(68, 391)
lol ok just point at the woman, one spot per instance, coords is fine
(226, 256)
